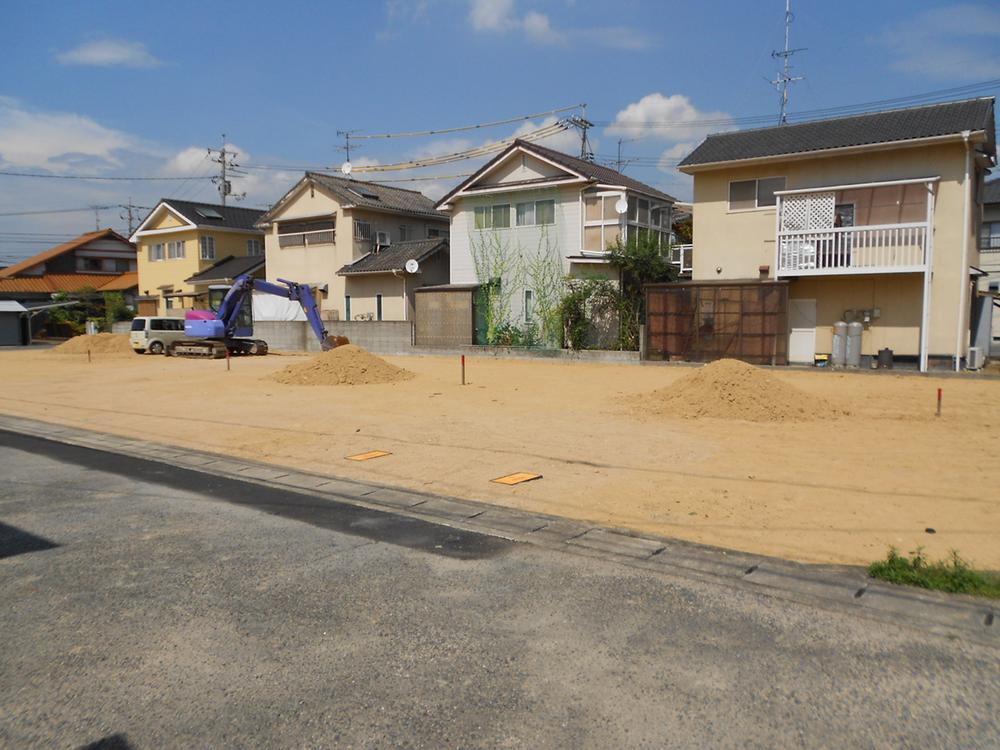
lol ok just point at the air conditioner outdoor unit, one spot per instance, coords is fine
(382, 239)
(976, 358)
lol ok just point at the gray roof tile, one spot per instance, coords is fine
(228, 268)
(991, 191)
(842, 132)
(233, 217)
(394, 257)
(377, 196)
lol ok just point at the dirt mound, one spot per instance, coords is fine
(345, 365)
(99, 343)
(730, 389)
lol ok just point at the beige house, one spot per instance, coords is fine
(179, 239)
(872, 218)
(989, 257)
(324, 224)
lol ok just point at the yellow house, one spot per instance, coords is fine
(178, 240)
(870, 218)
(326, 223)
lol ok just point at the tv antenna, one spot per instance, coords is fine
(346, 148)
(785, 76)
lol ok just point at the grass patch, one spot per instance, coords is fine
(953, 575)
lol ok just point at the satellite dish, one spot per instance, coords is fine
(412, 266)
(621, 206)
(346, 167)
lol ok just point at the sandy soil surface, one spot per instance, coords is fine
(833, 489)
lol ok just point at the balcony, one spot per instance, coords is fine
(862, 228)
(680, 256)
(886, 248)
(989, 243)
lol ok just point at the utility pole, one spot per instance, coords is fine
(129, 215)
(785, 77)
(582, 124)
(226, 160)
(97, 217)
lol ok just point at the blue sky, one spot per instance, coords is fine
(135, 89)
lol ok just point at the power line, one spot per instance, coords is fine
(462, 128)
(56, 211)
(90, 177)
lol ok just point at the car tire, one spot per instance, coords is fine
(139, 351)
(156, 348)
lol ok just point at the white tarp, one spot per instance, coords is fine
(269, 307)
(11, 306)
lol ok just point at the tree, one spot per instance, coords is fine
(115, 309)
(640, 261)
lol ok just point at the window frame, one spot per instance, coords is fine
(258, 245)
(490, 211)
(172, 249)
(206, 248)
(756, 194)
(157, 252)
(359, 235)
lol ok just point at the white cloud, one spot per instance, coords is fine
(670, 118)
(186, 162)
(501, 17)
(58, 141)
(107, 53)
(955, 42)
(492, 15)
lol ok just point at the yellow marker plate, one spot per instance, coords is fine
(521, 476)
(368, 456)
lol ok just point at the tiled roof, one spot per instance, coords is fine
(991, 191)
(598, 172)
(376, 195)
(121, 283)
(58, 250)
(394, 257)
(51, 283)
(842, 132)
(590, 170)
(233, 217)
(228, 269)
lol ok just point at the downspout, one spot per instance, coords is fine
(963, 276)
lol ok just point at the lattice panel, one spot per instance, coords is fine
(809, 211)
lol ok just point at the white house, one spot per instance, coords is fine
(531, 203)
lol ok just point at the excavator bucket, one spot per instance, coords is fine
(332, 342)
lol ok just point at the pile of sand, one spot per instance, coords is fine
(99, 343)
(344, 365)
(730, 389)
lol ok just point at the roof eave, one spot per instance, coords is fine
(978, 136)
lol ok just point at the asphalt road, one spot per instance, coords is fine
(148, 607)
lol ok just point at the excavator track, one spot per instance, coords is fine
(198, 349)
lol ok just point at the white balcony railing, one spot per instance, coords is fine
(888, 248)
(681, 256)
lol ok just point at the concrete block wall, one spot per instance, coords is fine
(381, 336)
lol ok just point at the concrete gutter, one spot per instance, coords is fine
(831, 587)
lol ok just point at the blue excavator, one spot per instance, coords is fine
(227, 328)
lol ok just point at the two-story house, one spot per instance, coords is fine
(989, 255)
(102, 260)
(869, 218)
(179, 239)
(531, 201)
(328, 231)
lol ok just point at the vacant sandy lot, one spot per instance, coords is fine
(830, 490)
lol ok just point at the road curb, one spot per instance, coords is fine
(840, 588)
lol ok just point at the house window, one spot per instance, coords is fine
(493, 217)
(253, 247)
(990, 237)
(378, 307)
(91, 264)
(207, 245)
(529, 305)
(535, 212)
(402, 233)
(745, 195)
(545, 212)
(121, 266)
(311, 232)
(433, 232)
(347, 306)
(362, 230)
(156, 252)
(175, 249)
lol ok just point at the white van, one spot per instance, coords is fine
(153, 334)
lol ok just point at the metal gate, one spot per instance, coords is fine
(701, 322)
